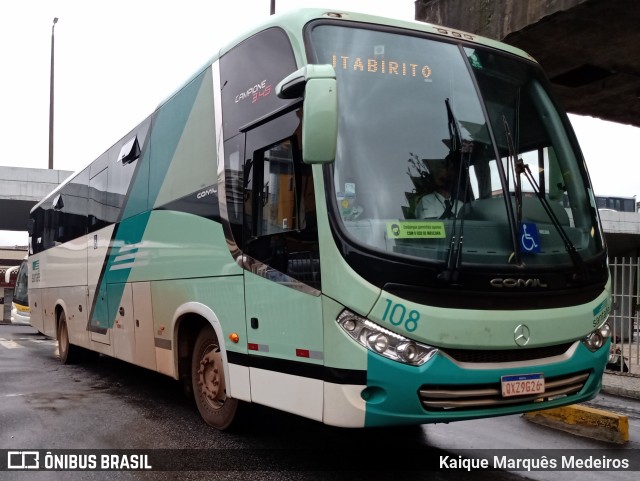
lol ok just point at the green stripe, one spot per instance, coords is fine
(167, 127)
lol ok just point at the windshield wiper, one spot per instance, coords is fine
(454, 254)
(511, 166)
(519, 168)
(575, 256)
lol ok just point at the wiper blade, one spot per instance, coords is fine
(511, 165)
(519, 168)
(454, 138)
(454, 254)
(576, 258)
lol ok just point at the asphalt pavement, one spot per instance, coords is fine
(108, 404)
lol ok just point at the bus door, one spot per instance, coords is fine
(281, 261)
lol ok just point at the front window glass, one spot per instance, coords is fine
(274, 202)
(20, 293)
(427, 154)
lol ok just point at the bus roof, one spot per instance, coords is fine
(293, 22)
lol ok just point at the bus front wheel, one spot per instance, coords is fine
(208, 381)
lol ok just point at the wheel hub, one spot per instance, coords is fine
(211, 378)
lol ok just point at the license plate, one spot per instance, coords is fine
(522, 385)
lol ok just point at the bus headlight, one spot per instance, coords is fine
(379, 342)
(408, 351)
(597, 338)
(383, 341)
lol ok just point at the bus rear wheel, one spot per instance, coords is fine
(208, 381)
(69, 353)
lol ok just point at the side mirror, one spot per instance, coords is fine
(317, 83)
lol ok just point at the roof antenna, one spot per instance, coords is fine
(273, 7)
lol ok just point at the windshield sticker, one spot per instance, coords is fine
(349, 189)
(529, 238)
(381, 66)
(415, 230)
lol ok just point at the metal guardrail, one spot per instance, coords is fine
(624, 320)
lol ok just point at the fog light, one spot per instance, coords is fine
(594, 341)
(598, 338)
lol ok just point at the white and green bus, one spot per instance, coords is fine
(265, 236)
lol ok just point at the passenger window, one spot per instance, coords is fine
(280, 228)
(276, 199)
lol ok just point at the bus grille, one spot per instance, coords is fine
(439, 398)
(506, 355)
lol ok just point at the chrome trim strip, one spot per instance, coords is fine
(455, 399)
(478, 403)
(263, 270)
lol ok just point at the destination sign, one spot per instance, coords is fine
(381, 66)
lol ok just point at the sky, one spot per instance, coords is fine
(116, 60)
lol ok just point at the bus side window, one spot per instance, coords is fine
(270, 204)
(280, 222)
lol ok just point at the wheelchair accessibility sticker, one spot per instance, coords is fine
(529, 238)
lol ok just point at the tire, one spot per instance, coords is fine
(69, 354)
(208, 382)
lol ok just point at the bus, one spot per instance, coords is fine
(7, 283)
(257, 237)
(613, 203)
(20, 305)
(617, 203)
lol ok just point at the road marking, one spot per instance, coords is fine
(12, 344)
(9, 344)
(38, 341)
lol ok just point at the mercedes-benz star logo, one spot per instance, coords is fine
(522, 335)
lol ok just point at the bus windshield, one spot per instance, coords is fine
(474, 153)
(21, 291)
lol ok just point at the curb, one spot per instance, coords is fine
(620, 384)
(584, 421)
(622, 392)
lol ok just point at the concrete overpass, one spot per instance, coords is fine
(21, 189)
(590, 49)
